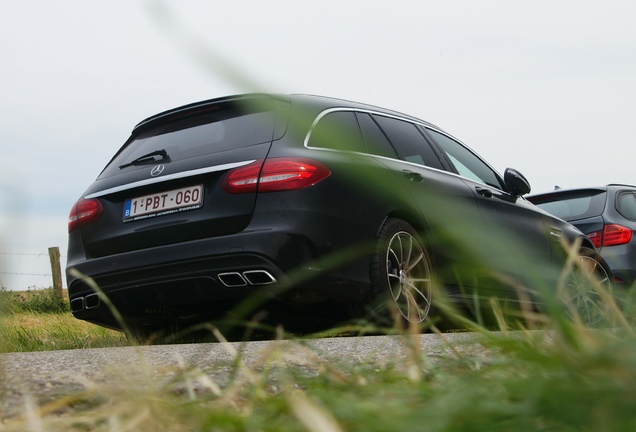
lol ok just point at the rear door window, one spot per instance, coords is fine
(377, 143)
(338, 130)
(408, 141)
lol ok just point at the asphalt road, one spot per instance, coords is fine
(44, 377)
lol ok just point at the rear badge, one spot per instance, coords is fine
(155, 171)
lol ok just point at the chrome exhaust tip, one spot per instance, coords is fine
(232, 279)
(77, 304)
(92, 301)
(258, 277)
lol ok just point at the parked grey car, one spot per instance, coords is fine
(607, 215)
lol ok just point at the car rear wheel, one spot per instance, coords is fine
(401, 275)
(585, 286)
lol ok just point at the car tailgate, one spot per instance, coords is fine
(165, 185)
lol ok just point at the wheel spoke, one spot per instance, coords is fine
(409, 250)
(394, 277)
(394, 255)
(412, 305)
(400, 258)
(416, 261)
(411, 288)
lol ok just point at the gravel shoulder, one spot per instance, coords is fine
(44, 377)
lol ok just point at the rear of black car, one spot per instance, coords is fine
(208, 204)
(136, 230)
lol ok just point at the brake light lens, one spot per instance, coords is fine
(84, 212)
(277, 174)
(611, 235)
(614, 235)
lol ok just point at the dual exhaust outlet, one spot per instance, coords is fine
(249, 277)
(91, 301)
(229, 279)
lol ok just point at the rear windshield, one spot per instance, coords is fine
(581, 205)
(220, 128)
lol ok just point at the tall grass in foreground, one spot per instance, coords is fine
(566, 378)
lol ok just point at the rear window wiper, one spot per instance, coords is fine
(148, 157)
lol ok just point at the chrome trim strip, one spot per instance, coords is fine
(422, 123)
(168, 177)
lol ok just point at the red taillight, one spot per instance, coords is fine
(84, 212)
(282, 174)
(614, 235)
(611, 235)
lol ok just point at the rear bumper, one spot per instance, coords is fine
(299, 246)
(209, 276)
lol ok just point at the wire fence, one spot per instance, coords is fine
(25, 254)
(20, 270)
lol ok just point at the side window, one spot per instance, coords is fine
(408, 141)
(626, 205)
(466, 163)
(377, 143)
(338, 130)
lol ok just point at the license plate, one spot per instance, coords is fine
(163, 203)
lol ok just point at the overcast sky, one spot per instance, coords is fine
(547, 87)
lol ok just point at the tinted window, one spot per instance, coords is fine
(375, 140)
(339, 131)
(581, 205)
(228, 127)
(466, 162)
(626, 205)
(408, 141)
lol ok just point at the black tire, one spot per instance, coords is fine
(582, 292)
(401, 276)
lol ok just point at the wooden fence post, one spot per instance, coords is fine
(54, 256)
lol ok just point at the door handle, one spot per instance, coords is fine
(413, 176)
(486, 193)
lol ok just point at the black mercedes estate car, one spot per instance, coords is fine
(304, 200)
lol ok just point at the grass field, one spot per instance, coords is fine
(36, 320)
(578, 379)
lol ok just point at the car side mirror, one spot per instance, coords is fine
(516, 182)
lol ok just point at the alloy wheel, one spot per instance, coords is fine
(583, 298)
(409, 277)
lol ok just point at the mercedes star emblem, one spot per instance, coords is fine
(156, 170)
